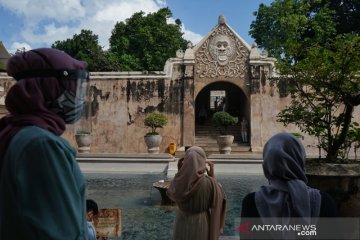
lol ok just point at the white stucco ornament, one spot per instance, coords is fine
(222, 49)
(222, 54)
(180, 53)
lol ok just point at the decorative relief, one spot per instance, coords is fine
(221, 55)
(222, 49)
(179, 53)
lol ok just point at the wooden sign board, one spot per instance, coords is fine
(108, 222)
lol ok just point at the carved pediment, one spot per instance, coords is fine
(222, 54)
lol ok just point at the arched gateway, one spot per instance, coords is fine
(221, 79)
(215, 97)
(221, 96)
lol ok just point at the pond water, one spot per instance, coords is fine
(143, 216)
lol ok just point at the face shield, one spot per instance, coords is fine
(79, 100)
(70, 105)
(82, 107)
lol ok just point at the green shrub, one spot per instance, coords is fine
(155, 120)
(222, 120)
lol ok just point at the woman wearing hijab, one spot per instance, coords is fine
(201, 200)
(287, 197)
(42, 190)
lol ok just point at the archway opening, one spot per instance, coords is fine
(221, 96)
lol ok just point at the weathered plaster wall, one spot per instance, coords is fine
(120, 102)
(120, 105)
(267, 100)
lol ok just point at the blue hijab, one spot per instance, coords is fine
(287, 195)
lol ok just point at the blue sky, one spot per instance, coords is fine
(39, 23)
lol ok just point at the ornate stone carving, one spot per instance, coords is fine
(180, 53)
(222, 49)
(221, 55)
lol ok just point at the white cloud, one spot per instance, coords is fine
(188, 34)
(104, 16)
(19, 45)
(119, 11)
(46, 21)
(37, 10)
(191, 36)
(50, 34)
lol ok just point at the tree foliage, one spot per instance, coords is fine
(347, 15)
(85, 46)
(287, 28)
(319, 58)
(145, 42)
(325, 93)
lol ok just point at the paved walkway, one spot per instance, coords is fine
(164, 163)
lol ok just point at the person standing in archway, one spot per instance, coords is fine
(223, 105)
(216, 104)
(244, 130)
(202, 115)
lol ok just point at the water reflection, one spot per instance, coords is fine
(143, 216)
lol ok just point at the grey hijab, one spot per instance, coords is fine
(287, 195)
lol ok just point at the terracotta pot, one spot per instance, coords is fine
(224, 142)
(341, 181)
(153, 143)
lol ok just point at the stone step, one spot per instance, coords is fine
(237, 141)
(214, 145)
(213, 135)
(217, 130)
(206, 133)
(205, 137)
(233, 149)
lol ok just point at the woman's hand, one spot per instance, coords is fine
(210, 171)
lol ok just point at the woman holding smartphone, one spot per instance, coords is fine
(200, 198)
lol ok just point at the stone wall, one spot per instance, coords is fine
(268, 98)
(120, 102)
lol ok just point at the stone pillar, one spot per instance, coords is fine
(256, 110)
(188, 121)
(261, 68)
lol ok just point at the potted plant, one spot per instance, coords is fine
(83, 140)
(222, 120)
(154, 121)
